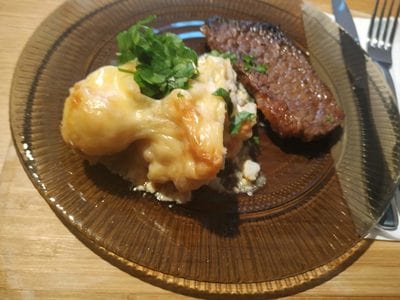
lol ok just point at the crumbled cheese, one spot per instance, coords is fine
(164, 194)
(251, 170)
(250, 107)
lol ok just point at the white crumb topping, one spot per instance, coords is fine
(166, 195)
(251, 170)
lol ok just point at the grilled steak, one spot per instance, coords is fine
(289, 93)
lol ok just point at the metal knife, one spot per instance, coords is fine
(343, 17)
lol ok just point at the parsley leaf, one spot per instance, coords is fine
(239, 120)
(164, 62)
(221, 92)
(261, 68)
(248, 64)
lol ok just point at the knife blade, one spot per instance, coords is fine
(343, 18)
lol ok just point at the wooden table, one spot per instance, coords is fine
(41, 259)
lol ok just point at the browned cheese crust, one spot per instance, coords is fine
(290, 94)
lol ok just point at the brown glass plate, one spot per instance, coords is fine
(305, 225)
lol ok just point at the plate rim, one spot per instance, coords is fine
(171, 282)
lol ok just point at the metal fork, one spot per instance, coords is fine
(379, 47)
(380, 43)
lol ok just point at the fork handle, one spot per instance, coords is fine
(389, 79)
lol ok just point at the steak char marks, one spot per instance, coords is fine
(290, 94)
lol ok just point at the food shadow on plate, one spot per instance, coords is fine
(106, 181)
(215, 211)
(296, 146)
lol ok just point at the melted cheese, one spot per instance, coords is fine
(178, 139)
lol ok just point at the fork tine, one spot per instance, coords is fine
(387, 22)
(378, 31)
(391, 39)
(371, 24)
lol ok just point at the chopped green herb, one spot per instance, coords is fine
(248, 64)
(255, 139)
(164, 62)
(261, 68)
(239, 119)
(329, 119)
(215, 53)
(248, 58)
(180, 95)
(231, 56)
(125, 70)
(221, 92)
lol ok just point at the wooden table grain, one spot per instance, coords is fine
(41, 259)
